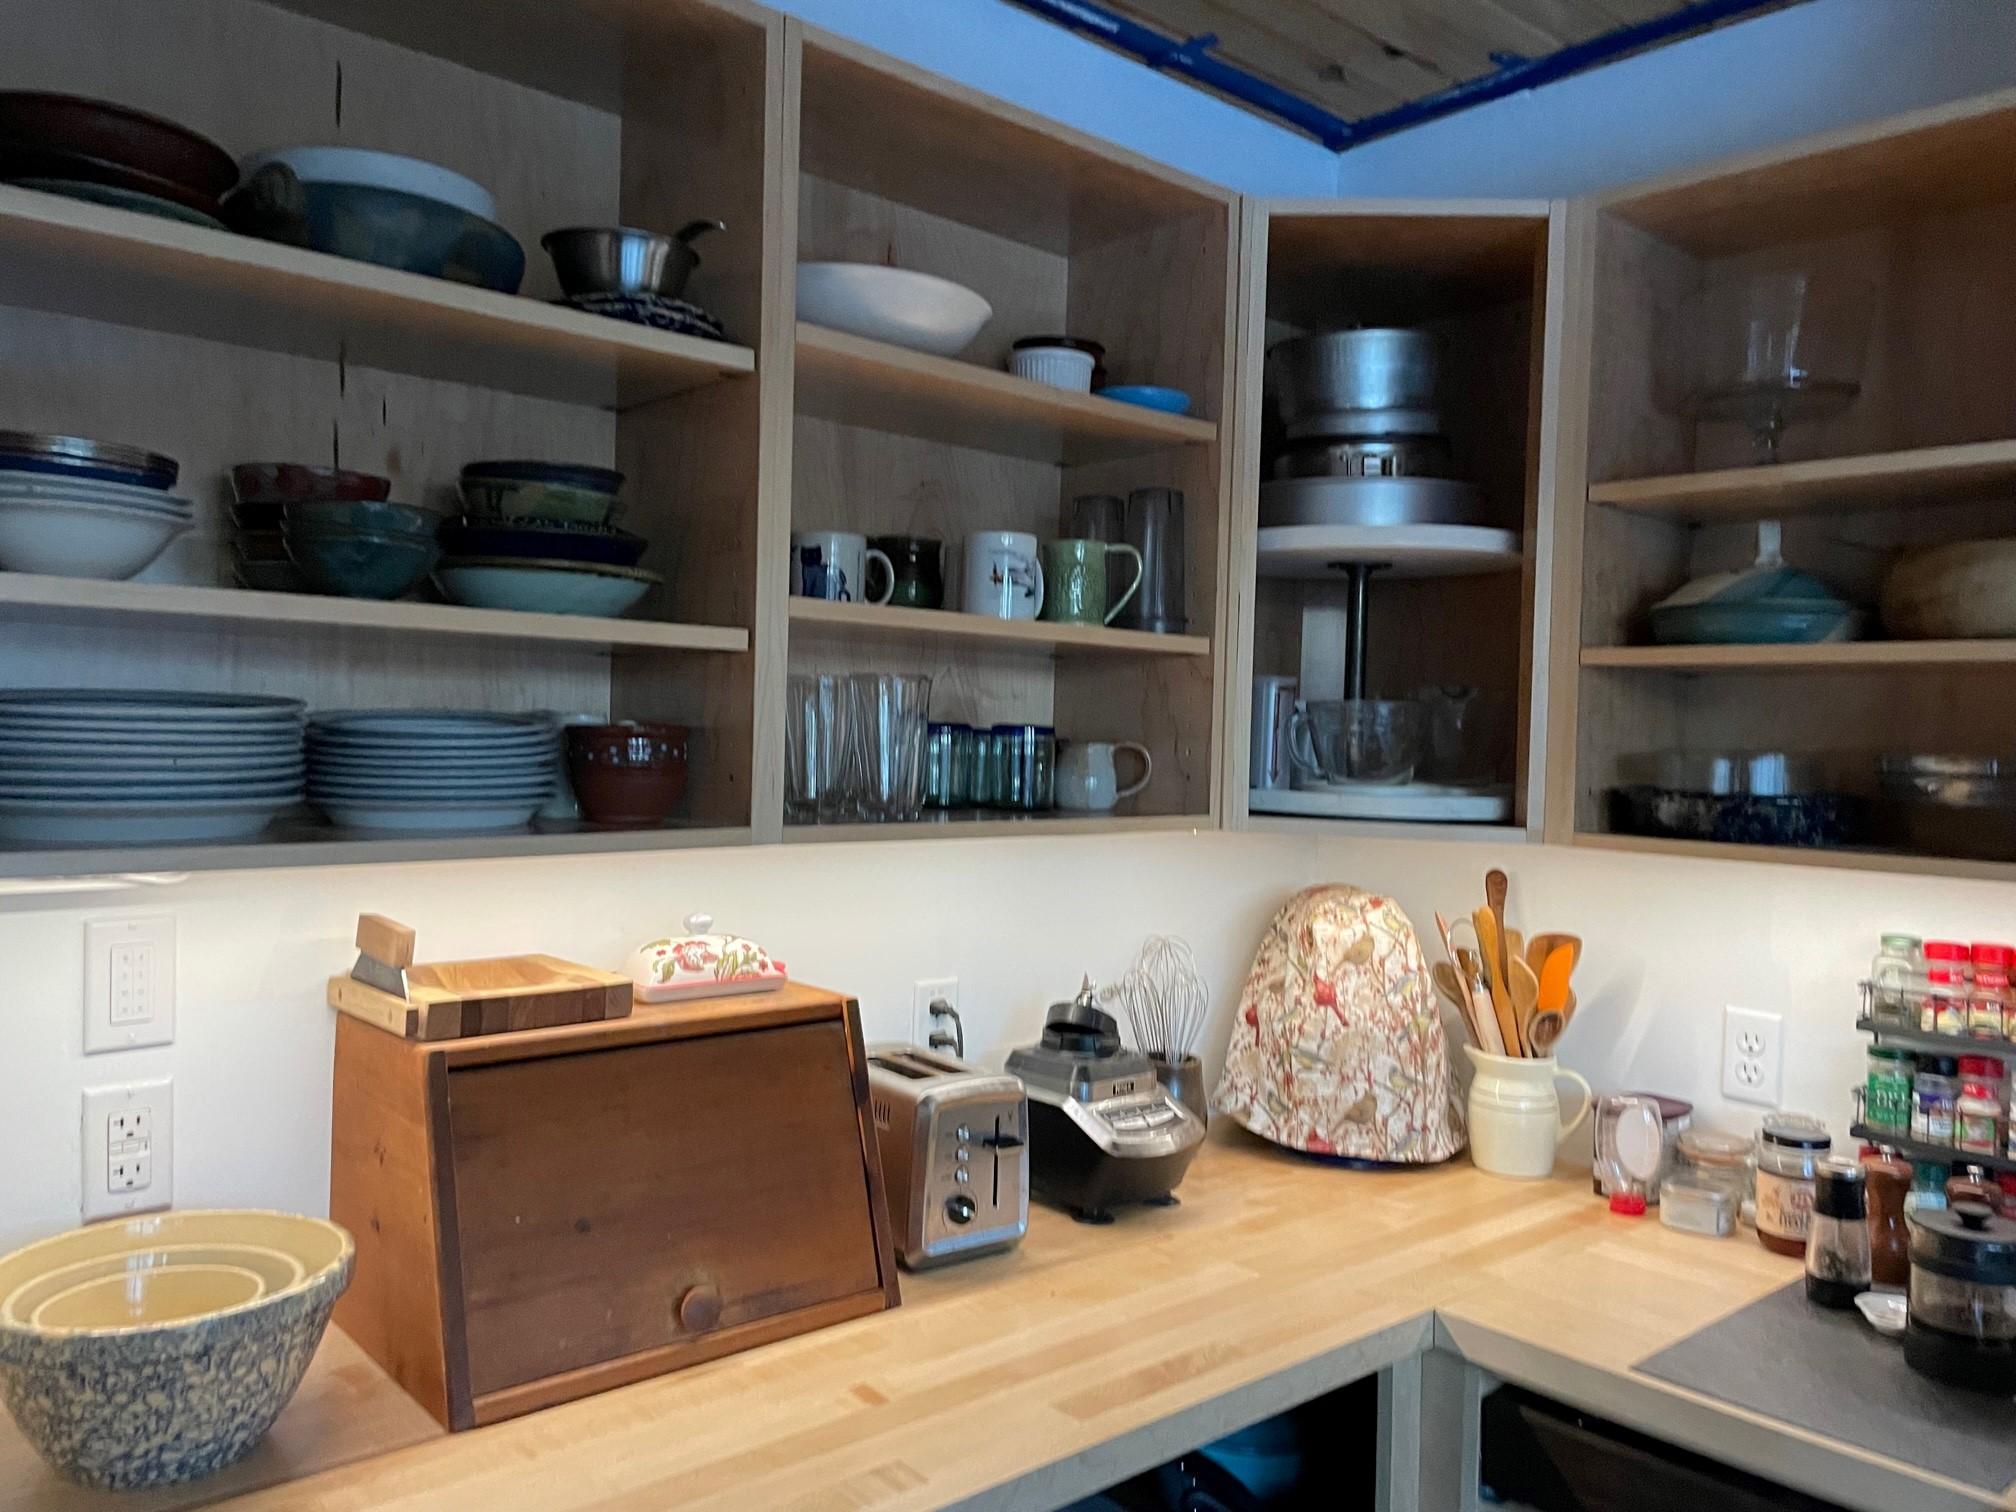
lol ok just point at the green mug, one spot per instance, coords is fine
(1074, 574)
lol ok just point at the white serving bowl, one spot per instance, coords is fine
(1055, 367)
(379, 170)
(530, 587)
(82, 540)
(914, 310)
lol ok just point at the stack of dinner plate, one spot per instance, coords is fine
(118, 767)
(419, 769)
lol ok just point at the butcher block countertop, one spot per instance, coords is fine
(1028, 1379)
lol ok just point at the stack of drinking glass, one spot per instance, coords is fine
(855, 747)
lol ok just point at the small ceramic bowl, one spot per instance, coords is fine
(287, 482)
(543, 541)
(360, 514)
(529, 499)
(1147, 396)
(160, 1349)
(628, 774)
(366, 564)
(76, 539)
(1054, 366)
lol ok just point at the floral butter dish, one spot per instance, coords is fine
(702, 965)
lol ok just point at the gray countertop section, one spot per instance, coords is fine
(1831, 1373)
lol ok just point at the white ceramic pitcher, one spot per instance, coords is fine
(1515, 1113)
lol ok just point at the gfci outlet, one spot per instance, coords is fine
(924, 1023)
(129, 1150)
(1753, 1056)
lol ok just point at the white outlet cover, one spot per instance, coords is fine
(124, 1010)
(922, 1024)
(145, 1159)
(1753, 1057)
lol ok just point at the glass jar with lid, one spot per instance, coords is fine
(1837, 1244)
(1717, 1159)
(1961, 1319)
(1943, 1008)
(1934, 1090)
(1987, 1002)
(1977, 1114)
(1893, 977)
(1886, 1101)
(1790, 1147)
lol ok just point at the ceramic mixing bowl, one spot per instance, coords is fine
(160, 1349)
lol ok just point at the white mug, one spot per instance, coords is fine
(1004, 578)
(1087, 778)
(833, 564)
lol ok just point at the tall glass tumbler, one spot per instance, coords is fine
(890, 712)
(817, 756)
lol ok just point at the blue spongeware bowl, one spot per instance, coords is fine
(365, 564)
(1148, 396)
(547, 541)
(160, 1349)
(406, 231)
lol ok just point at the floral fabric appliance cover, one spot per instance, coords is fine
(1337, 1047)
(702, 965)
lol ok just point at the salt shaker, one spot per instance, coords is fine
(1837, 1243)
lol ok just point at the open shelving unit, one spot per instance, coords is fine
(1061, 234)
(1920, 209)
(1447, 604)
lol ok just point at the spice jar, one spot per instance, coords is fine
(1987, 1002)
(1892, 976)
(1977, 1115)
(1889, 1242)
(1934, 1090)
(1886, 1102)
(1837, 1246)
(1943, 1010)
(1790, 1147)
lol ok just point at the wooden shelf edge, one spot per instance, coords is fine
(1033, 826)
(300, 846)
(1829, 484)
(529, 317)
(1387, 829)
(72, 599)
(1008, 392)
(1787, 855)
(1039, 636)
(1845, 656)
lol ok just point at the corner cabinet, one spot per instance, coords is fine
(1367, 584)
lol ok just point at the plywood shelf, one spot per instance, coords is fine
(880, 387)
(306, 843)
(1841, 656)
(1037, 637)
(140, 270)
(973, 824)
(28, 597)
(1790, 855)
(1837, 485)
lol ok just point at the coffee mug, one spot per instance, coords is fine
(833, 565)
(1075, 579)
(1087, 778)
(1003, 577)
(920, 579)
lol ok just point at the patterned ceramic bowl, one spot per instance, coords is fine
(162, 1348)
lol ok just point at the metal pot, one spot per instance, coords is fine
(621, 260)
(1375, 381)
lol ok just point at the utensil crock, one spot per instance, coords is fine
(1515, 1113)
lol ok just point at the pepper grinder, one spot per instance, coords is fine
(1837, 1244)
(1889, 1181)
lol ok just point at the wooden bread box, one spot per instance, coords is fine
(546, 1214)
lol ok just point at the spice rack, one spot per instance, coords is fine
(1902, 1037)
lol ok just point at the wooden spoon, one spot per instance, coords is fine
(1525, 990)
(1456, 995)
(1542, 946)
(1545, 1032)
(1501, 992)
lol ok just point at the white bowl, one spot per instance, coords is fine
(379, 170)
(541, 590)
(82, 540)
(914, 310)
(1056, 367)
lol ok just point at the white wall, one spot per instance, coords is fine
(1017, 921)
(1012, 54)
(1788, 74)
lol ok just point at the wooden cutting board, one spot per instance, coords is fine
(456, 999)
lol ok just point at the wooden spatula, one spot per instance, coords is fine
(1492, 945)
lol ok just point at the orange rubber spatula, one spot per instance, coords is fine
(1554, 974)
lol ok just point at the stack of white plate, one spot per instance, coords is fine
(117, 767)
(415, 769)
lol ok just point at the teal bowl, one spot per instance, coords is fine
(365, 564)
(360, 514)
(160, 1349)
(407, 231)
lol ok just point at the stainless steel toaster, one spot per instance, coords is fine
(955, 1153)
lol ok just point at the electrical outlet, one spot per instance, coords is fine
(129, 1162)
(923, 1022)
(1753, 1056)
(129, 983)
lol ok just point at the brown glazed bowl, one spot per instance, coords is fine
(630, 774)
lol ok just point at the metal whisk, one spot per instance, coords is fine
(1164, 998)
